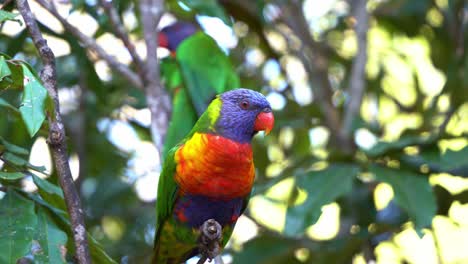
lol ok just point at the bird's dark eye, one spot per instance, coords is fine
(244, 105)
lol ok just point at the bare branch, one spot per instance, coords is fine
(57, 136)
(447, 118)
(156, 97)
(315, 63)
(357, 82)
(121, 33)
(91, 44)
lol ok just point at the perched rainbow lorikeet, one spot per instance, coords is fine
(209, 174)
(196, 72)
(171, 36)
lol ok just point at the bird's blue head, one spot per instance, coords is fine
(243, 113)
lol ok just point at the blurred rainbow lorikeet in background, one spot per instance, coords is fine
(209, 174)
(196, 72)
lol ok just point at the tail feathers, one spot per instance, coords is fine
(161, 257)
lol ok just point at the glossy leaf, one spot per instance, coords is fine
(18, 223)
(412, 192)
(453, 162)
(13, 148)
(50, 192)
(11, 175)
(14, 80)
(268, 249)
(98, 255)
(4, 69)
(14, 159)
(33, 102)
(205, 80)
(383, 147)
(322, 187)
(52, 241)
(5, 104)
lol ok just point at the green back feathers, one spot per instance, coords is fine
(208, 119)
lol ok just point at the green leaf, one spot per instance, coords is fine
(51, 239)
(382, 148)
(268, 249)
(453, 162)
(7, 105)
(50, 192)
(322, 187)
(412, 192)
(14, 159)
(11, 175)
(33, 102)
(15, 79)
(13, 148)
(4, 16)
(20, 162)
(206, 70)
(207, 8)
(18, 223)
(182, 121)
(98, 255)
(4, 69)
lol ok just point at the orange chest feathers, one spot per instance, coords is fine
(214, 166)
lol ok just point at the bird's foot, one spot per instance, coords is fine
(209, 241)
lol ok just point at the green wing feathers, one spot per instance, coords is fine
(167, 191)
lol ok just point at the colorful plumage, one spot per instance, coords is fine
(171, 36)
(209, 175)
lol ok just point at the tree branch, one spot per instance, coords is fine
(156, 97)
(57, 136)
(91, 44)
(316, 65)
(357, 81)
(121, 33)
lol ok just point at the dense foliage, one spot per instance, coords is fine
(324, 193)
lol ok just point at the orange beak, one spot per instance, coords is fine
(264, 122)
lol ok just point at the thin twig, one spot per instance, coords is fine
(447, 118)
(92, 45)
(57, 136)
(156, 97)
(357, 81)
(121, 33)
(316, 65)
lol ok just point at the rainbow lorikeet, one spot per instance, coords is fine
(209, 174)
(171, 36)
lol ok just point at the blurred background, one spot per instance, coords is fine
(368, 159)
